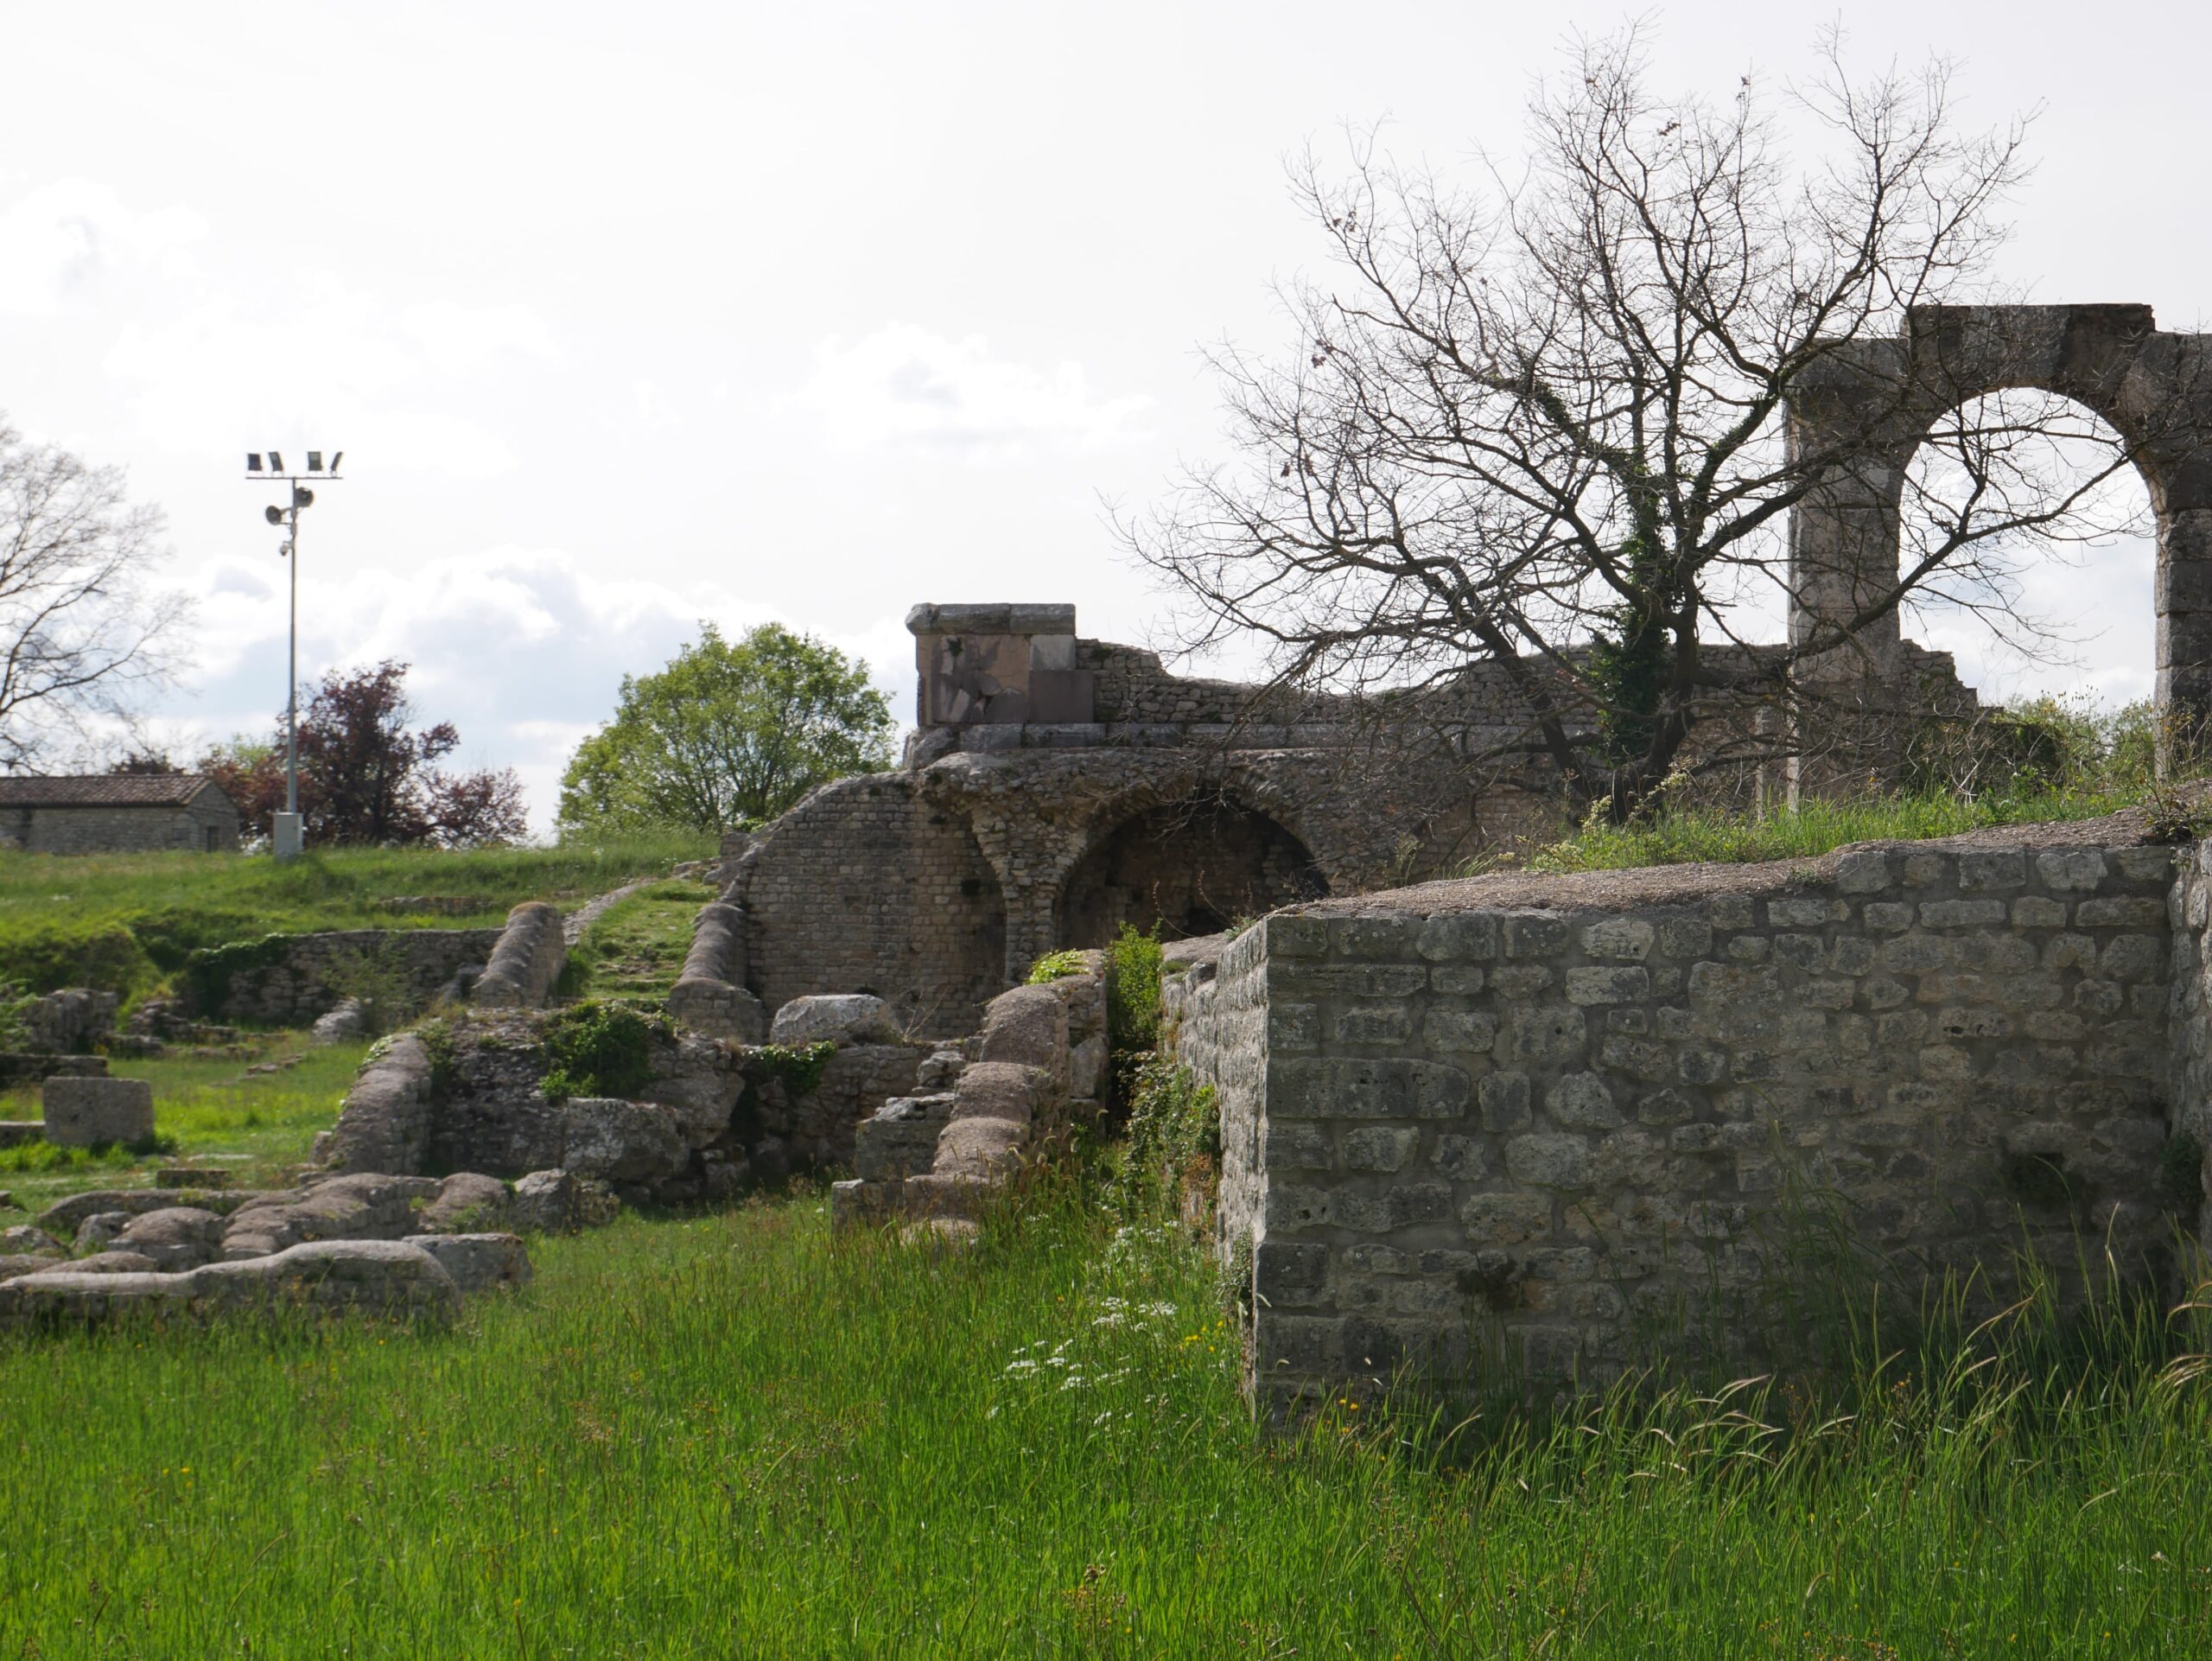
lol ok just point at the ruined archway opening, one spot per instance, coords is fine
(1185, 868)
(2044, 539)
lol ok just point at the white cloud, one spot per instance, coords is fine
(69, 244)
(903, 386)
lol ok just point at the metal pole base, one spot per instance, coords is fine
(285, 836)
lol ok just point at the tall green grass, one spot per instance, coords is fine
(739, 1436)
(127, 921)
(1689, 835)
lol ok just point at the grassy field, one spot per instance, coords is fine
(736, 1436)
(126, 921)
(635, 949)
(257, 1124)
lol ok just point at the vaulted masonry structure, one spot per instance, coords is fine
(1519, 1128)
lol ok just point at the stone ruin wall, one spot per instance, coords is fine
(1525, 1129)
(935, 886)
(287, 980)
(866, 885)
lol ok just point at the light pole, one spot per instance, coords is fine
(284, 834)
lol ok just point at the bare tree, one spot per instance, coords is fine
(84, 635)
(1546, 429)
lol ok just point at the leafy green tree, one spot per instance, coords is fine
(729, 733)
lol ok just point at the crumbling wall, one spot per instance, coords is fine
(1519, 1128)
(866, 886)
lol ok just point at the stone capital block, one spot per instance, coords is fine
(81, 1112)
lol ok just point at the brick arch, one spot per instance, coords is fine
(1189, 849)
(1873, 402)
(1183, 867)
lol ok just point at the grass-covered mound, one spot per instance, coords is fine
(634, 949)
(737, 1435)
(128, 922)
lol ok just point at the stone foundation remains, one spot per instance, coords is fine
(1522, 1130)
(1038, 1065)
(287, 980)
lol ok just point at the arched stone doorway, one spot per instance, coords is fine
(1872, 405)
(1185, 868)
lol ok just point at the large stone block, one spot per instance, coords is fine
(836, 1018)
(81, 1112)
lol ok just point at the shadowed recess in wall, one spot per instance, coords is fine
(1186, 869)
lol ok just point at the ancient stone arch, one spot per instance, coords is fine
(1184, 865)
(1873, 402)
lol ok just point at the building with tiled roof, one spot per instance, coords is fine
(123, 812)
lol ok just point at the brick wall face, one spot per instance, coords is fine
(1520, 1142)
(866, 886)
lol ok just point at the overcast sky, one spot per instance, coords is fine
(630, 315)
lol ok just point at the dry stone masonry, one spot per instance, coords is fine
(1525, 1129)
(289, 980)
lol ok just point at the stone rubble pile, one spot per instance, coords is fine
(933, 1161)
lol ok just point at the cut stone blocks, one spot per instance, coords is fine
(81, 1112)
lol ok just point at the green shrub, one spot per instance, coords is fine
(596, 1048)
(1133, 964)
(1173, 1134)
(50, 956)
(1055, 966)
(799, 1069)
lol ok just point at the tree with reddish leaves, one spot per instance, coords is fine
(367, 776)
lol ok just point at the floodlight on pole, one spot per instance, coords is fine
(285, 838)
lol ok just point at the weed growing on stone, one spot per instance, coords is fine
(1054, 966)
(798, 1068)
(1690, 836)
(1173, 1139)
(597, 1048)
